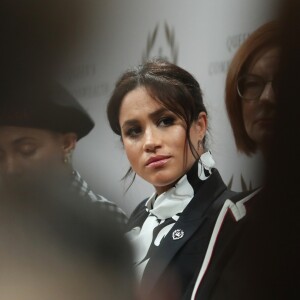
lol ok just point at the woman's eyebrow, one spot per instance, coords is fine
(156, 114)
(153, 116)
(129, 123)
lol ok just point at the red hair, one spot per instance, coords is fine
(266, 36)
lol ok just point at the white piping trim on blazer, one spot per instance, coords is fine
(238, 211)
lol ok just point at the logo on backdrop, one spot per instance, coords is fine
(164, 47)
(82, 79)
(244, 185)
(233, 42)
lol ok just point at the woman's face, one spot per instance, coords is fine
(155, 139)
(259, 114)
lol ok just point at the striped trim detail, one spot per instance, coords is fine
(238, 211)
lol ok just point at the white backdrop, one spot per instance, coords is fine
(203, 36)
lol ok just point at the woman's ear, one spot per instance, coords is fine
(201, 125)
(69, 142)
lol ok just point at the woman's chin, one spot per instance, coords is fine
(263, 139)
(163, 182)
(262, 132)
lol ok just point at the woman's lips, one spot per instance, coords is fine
(265, 121)
(157, 161)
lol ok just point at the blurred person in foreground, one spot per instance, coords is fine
(40, 124)
(56, 246)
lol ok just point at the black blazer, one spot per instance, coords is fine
(225, 273)
(184, 257)
(255, 258)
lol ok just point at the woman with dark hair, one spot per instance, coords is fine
(251, 89)
(158, 111)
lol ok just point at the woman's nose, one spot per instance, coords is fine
(152, 140)
(268, 93)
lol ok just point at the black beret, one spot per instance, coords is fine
(45, 105)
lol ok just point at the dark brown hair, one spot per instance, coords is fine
(171, 86)
(266, 36)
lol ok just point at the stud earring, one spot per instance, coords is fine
(67, 158)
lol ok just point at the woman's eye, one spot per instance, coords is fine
(133, 132)
(166, 121)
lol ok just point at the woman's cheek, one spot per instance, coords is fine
(131, 149)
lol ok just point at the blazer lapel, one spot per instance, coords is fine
(191, 219)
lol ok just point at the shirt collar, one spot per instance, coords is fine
(174, 201)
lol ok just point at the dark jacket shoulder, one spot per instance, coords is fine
(138, 216)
